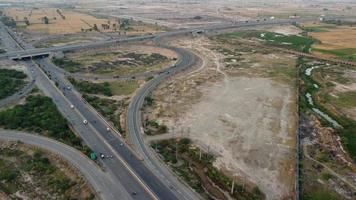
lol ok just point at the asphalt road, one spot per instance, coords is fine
(106, 187)
(148, 178)
(94, 133)
(134, 123)
(41, 51)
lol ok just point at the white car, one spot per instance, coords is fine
(72, 106)
(85, 122)
(107, 129)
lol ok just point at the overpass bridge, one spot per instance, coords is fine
(25, 55)
(38, 52)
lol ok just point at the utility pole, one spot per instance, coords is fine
(177, 150)
(199, 153)
(232, 187)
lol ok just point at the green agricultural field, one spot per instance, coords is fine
(319, 28)
(299, 43)
(347, 54)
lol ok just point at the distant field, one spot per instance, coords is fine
(332, 37)
(336, 41)
(348, 54)
(69, 22)
(295, 42)
(73, 22)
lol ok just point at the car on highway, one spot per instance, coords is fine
(85, 122)
(107, 129)
(72, 106)
(102, 155)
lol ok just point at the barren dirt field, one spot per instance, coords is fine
(246, 119)
(254, 139)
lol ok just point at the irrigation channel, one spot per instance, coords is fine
(309, 96)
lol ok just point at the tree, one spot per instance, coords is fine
(124, 23)
(45, 20)
(95, 27)
(27, 22)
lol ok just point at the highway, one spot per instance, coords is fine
(132, 171)
(28, 52)
(104, 185)
(147, 179)
(134, 123)
(95, 135)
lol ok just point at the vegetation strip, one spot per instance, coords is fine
(11, 81)
(39, 114)
(196, 168)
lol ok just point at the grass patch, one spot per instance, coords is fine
(123, 87)
(320, 194)
(92, 88)
(11, 81)
(295, 42)
(347, 54)
(67, 64)
(319, 28)
(39, 114)
(346, 99)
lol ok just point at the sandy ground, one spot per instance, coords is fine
(248, 122)
(285, 30)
